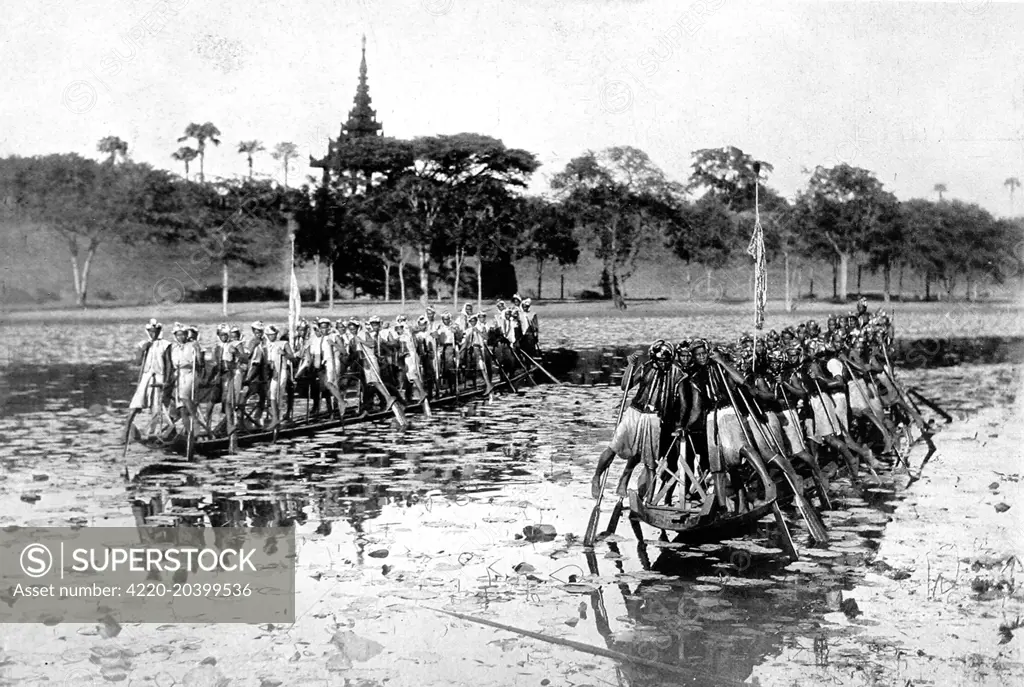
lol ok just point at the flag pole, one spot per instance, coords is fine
(294, 296)
(756, 251)
(291, 324)
(757, 223)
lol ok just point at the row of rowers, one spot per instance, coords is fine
(516, 324)
(393, 361)
(835, 388)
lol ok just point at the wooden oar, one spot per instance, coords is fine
(931, 404)
(457, 400)
(879, 418)
(501, 370)
(810, 516)
(814, 522)
(595, 515)
(811, 460)
(142, 373)
(541, 368)
(190, 437)
(770, 489)
(579, 646)
(915, 415)
(529, 375)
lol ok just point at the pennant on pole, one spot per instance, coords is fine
(756, 251)
(294, 301)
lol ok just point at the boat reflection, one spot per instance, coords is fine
(707, 634)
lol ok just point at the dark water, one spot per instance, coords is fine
(392, 523)
(605, 365)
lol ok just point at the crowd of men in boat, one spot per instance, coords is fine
(802, 395)
(254, 380)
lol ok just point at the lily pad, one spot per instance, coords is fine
(539, 533)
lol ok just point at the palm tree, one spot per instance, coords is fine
(940, 189)
(285, 151)
(114, 147)
(201, 133)
(1012, 183)
(186, 155)
(250, 148)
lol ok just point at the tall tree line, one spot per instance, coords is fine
(447, 216)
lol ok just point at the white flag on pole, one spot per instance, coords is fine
(294, 301)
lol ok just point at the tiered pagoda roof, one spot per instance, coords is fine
(362, 122)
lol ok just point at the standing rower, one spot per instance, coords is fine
(410, 373)
(216, 373)
(447, 340)
(324, 359)
(150, 355)
(365, 357)
(184, 358)
(255, 375)
(658, 409)
(472, 354)
(279, 367)
(426, 346)
(531, 330)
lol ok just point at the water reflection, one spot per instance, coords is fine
(437, 514)
(711, 613)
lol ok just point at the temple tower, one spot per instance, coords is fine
(361, 123)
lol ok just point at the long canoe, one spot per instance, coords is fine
(218, 445)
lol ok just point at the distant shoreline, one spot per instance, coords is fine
(912, 319)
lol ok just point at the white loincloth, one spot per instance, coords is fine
(792, 431)
(639, 435)
(725, 437)
(842, 410)
(141, 398)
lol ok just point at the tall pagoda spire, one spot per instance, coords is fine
(361, 123)
(362, 119)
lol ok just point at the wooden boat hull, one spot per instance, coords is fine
(692, 528)
(219, 445)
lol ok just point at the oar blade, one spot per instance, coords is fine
(785, 538)
(591, 534)
(810, 516)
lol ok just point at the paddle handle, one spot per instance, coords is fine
(625, 393)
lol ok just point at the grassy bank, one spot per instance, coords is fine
(579, 323)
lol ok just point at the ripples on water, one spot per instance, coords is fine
(390, 522)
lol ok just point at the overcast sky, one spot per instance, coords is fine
(918, 93)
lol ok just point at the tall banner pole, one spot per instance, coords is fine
(756, 251)
(294, 296)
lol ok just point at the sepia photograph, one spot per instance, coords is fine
(525, 343)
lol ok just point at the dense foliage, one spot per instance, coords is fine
(445, 216)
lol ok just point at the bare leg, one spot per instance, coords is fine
(862, 451)
(423, 397)
(604, 461)
(335, 392)
(291, 400)
(275, 410)
(484, 375)
(820, 482)
(851, 461)
(627, 472)
(193, 417)
(128, 425)
(886, 435)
